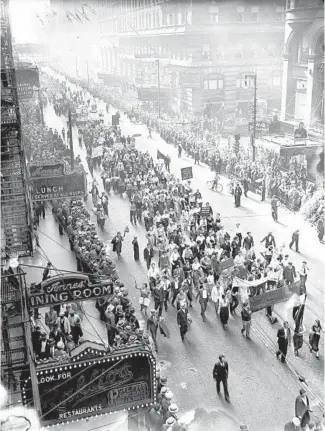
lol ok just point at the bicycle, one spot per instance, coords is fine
(211, 186)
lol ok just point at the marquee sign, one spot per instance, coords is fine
(59, 187)
(104, 384)
(67, 288)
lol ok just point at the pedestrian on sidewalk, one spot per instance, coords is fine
(295, 240)
(302, 409)
(220, 374)
(237, 194)
(314, 337)
(283, 342)
(135, 248)
(246, 315)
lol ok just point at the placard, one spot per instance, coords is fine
(187, 173)
(97, 152)
(261, 126)
(46, 171)
(67, 288)
(65, 186)
(225, 264)
(272, 297)
(102, 385)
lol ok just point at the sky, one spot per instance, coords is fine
(26, 26)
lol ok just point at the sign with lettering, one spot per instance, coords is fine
(66, 186)
(46, 171)
(272, 297)
(27, 79)
(67, 288)
(97, 152)
(225, 264)
(95, 386)
(187, 173)
(261, 127)
(191, 79)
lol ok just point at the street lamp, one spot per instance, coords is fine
(253, 136)
(158, 78)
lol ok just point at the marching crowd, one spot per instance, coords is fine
(184, 236)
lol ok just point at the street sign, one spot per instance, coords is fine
(46, 171)
(225, 264)
(97, 383)
(187, 173)
(67, 288)
(261, 126)
(66, 186)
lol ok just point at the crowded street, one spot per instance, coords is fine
(162, 202)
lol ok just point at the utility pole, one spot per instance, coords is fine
(40, 102)
(253, 135)
(158, 76)
(70, 141)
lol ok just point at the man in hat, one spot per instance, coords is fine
(303, 272)
(63, 324)
(182, 320)
(42, 350)
(293, 425)
(295, 240)
(152, 327)
(159, 296)
(156, 420)
(220, 374)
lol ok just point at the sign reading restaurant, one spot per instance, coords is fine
(46, 171)
(67, 288)
(95, 385)
(59, 187)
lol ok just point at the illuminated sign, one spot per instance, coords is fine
(105, 384)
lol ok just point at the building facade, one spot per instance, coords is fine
(303, 69)
(201, 50)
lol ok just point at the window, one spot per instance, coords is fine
(242, 82)
(214, 17)
(239, 54)
(254, 16)
(213, 84)
(240, 17)
(253, 53)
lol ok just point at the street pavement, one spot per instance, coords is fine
(262, 390)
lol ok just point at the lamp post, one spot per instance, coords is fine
(253, 135)
(158, 76)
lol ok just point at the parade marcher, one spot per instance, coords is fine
(302, 409)
(182, 320)
(274, 208)
(152, 327)
(269, 240)
(148, 255)
(237, 194)
(303, 272)
(135, 248)
(158, 296)
(246, 315)
(282, 344)
(293, 425)
(295, 240)
(220, 374)
(203, 299)
(224, 311)
(117, 244)
(314, 337)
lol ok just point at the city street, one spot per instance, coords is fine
(262, 390)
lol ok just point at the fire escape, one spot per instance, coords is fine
(15, 205)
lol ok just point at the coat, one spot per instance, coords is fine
(158, 294)
(289, 274)
(147, 254)
(152, 325)
(220, 371)
(302, 410)
(182, 319)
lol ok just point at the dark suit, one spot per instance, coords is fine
(302, 410)
(152, 326)
(148, 255)
(182, 322)
(220, 374)
(43, 355)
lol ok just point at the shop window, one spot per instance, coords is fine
(240, 17)
(213, 84)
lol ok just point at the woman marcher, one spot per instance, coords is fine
(101, 217)
(314, 337)
(282, 344)
(94, 194)
(144, 299)
(135, 248)
(298, 339)
(224, 311)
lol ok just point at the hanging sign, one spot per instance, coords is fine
(187, 173)
(45, 171)
(66, 186)
(103, 384)
(67, 288)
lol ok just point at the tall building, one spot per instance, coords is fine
(303, 69)
(204, 48)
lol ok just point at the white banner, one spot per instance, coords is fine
(97, 151)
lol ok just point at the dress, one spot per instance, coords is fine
(135, 249)
(314, 338)
(224, 312)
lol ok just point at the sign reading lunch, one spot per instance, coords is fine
(65, 186)
(67, 288)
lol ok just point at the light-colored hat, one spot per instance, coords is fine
(170, 420)
(110, 307)
(296, 421)
(60, 345)
(163, 390)
(173, 408)
(168, 395)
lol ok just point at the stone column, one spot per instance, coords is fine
(309, 93)
(284, 94)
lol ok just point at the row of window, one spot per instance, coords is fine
(241, 17)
